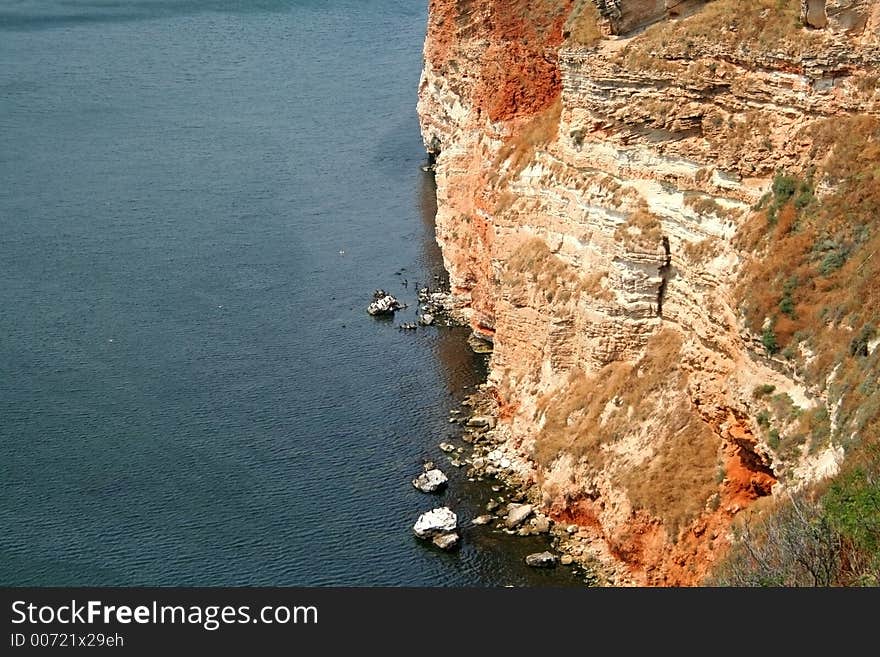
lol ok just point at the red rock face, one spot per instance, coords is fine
(518, 74)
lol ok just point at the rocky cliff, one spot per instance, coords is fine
(636, 206)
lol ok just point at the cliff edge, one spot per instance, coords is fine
(661, 215)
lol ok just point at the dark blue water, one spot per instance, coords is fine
(197, 199)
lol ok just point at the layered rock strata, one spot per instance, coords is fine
(595, 164)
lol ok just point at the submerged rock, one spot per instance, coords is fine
(446, 541)
(447, 447)
(426, 319)
(430, 481)
(482, 520)
(542, 560)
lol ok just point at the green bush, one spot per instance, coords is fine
(804, 198)
(794, 545)
(763, 390)
(783, 187)
(786, 303)
(804, 541)
(805, 191)
(832, 261)
(768, 339)
(852, 505)
(859, 345)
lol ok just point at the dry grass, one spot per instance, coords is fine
(642, 231)
(706, 205)
(519, 149)
(592, 410)
(815, 272)
(732, 24)
(682, 476)
(612, 186)
(582, 27)
(532, 264)
(573, 415)
(608, 183)
(701, 251)
(504, 201)
(592, 285)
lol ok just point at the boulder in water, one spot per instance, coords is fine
(385, 305)
(430, 481)
(436, 521)
(542, 560)
(438, 526)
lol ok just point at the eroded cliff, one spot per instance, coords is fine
(626, 191)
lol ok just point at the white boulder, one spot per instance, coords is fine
(430, 481)
(436, 521)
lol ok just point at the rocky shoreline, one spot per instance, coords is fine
(514, 506)
(511, 476)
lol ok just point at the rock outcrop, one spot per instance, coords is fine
(598, 165)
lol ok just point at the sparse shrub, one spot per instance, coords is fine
(859, 345)
(783, 407)
(768, 339)
(802, 541)
(763, 390)
(832, 261)
(794, 545)
(804, 198)
(783, 187)
(819, 423)
(832, 248)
